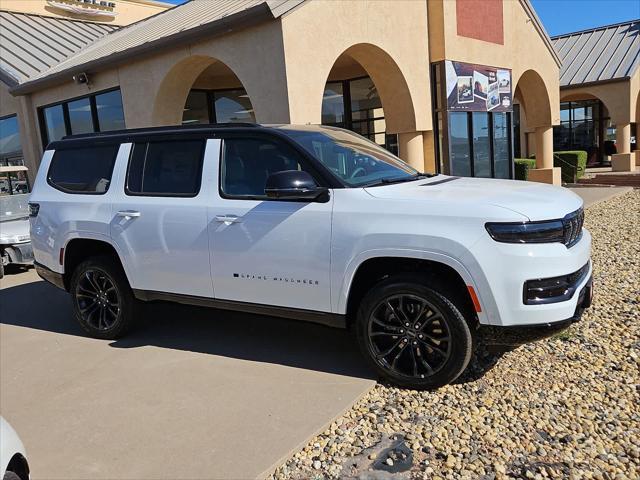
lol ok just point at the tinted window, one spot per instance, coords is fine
(83, 170)
(233, 106)
(110, 112)
(54, 123)
(247, 162)
(166, 168)
(10, 144)
(80, 116)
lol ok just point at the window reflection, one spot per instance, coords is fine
(459, 144)
(10, 142)
(481, 145)
(110, 111)
(232, 106)
(80, 116)
(54, 123)
(196, 108)
(501, 156)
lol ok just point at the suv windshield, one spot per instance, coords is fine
(358, 162)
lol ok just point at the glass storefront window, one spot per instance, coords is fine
(10, 142)
(54, 121)
(110, 111)
(333, 104)
(80, 117)
(196, 109)
(100, 112)
(582, 127)
(481, 145)
(231, 106)
(501, 156)
(459, 150)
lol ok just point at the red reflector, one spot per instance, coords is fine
(474, 298)
(61, 259)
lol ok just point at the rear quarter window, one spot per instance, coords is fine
(83, 170)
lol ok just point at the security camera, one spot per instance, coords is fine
(81, 78)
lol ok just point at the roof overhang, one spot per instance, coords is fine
(246, 18)
(591, 84)
(8, 79)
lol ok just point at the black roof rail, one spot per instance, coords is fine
(171, 128)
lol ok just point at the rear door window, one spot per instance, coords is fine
(85, 170)
(170, 168)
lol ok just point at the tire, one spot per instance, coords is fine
(1, 269)
(432, 351)
(103, 302)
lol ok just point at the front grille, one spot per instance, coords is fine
(572, 224)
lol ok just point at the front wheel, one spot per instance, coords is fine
(413, 335)
(102, 299)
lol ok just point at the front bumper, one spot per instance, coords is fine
(518, 335)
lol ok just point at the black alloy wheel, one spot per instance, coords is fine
(103, 302)
(409, 336)
(412, 333)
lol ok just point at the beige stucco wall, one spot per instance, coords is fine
(128, 11)
(387, 37)
(616, 96)
(523, 50)
(8, 103)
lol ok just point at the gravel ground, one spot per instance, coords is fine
(565, 407)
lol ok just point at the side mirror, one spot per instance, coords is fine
(293, 185)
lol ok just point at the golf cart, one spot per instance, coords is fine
(15, 243)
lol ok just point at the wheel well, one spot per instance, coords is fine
(80, 249)
(18, 465)
(438, 275)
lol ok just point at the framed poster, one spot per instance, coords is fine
(478, 88)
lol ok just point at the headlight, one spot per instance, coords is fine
(527, 232)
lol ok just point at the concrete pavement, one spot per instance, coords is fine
(593, 195)
(193, 393)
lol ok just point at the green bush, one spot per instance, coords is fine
(572, 164)
(522, 166)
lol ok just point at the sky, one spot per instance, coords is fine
(564, 16)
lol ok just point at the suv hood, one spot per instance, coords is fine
(536, 201)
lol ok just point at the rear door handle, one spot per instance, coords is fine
(128, 213)
(228, 219)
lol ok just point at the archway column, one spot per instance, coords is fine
(411, 149)
(624, 160)
(545, 172)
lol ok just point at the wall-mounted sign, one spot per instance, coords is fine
(93, 8)
(478, 88)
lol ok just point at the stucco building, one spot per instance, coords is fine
(434, 81)
(600, 94)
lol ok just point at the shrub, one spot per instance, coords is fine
(572, 164)
(522, 166)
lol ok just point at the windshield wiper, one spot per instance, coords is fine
(392, 180)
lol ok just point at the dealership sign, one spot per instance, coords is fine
(93, 8)
(478, 88)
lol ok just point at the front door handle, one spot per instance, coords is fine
(128, 214)
(228, 219)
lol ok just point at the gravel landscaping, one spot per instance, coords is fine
(565, 407)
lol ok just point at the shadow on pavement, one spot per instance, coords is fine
(41, 306)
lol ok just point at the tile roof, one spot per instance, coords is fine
(600, 54)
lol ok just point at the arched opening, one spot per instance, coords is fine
(531, 110)
(586, 124)
(366, 92)
(202, 89)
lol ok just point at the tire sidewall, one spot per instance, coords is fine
(461, 338)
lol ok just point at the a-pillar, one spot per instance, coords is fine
(544, 172)
(411, 149)
(624, 160)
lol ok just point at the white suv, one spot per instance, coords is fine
(309, 223)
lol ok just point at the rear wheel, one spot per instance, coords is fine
(413, 335)
(102, 298)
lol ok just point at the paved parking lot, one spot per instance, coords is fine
(192, 393)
